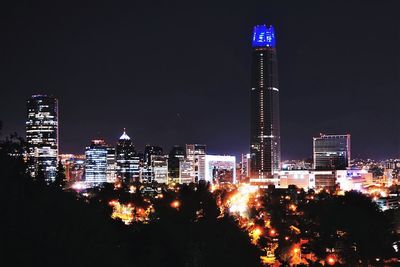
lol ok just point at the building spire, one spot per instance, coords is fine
(124, 136)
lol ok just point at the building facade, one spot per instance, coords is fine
(196, 156)
(127, 160)
(331, 152)
(111, 165)
(96, 162)
(42, 136)
(264, 94)
(74, 166)
(159, 166)
(176, 156)
(185, 172)
(220, 169)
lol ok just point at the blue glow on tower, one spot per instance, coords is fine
(263, 36)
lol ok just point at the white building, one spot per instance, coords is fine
(159, 166)
(185, 172)
(196, 156)
(314, 179)
(300, 178)
(220, 169)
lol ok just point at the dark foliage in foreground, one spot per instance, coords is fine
(43, 226)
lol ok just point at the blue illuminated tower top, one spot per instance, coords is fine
(263, 36)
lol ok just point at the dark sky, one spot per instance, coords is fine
(175, 73)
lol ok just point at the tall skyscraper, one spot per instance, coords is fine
(265, 151)
(96, 162)
(42, 135)
(331, 152)
(127, 160)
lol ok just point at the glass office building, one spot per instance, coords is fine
(265, 152)
(96, 162)
(331, 152)
(127, 160)
(42, 136)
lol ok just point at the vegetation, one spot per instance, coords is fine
(44, 226)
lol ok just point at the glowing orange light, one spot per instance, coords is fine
(112, 202)
(272, 232)
(257, 231)
(331, 260)
(175, 204)
(255, 235)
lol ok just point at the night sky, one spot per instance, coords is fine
(176, 73)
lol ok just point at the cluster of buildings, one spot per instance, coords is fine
(107, 163)
(183, 164)
(102, 162)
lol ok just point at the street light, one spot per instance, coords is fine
(331, 260)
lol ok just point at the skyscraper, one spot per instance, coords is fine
(42, 135)
(127, 160)
(96, 162)
(265, 152)
(331, 152)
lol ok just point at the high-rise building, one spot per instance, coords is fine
(331, 152)
(244, 167)
(42, 135)
(74, 166)
(96, 162)
(149, 151)
(150, 154)
(220, 169)
(159, 166)
(111, 165)
(127, 160)
(176, 155)
(264, 126)
(186, 171)
(196, 155)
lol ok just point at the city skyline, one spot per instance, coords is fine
(200, 134)
(198, 102)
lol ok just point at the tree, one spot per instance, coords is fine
(60, 179)
(351, 225)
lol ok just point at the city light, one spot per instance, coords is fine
(238, 203)
(326, 209)
(331, 260)
(122, 212)
(175, 204)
